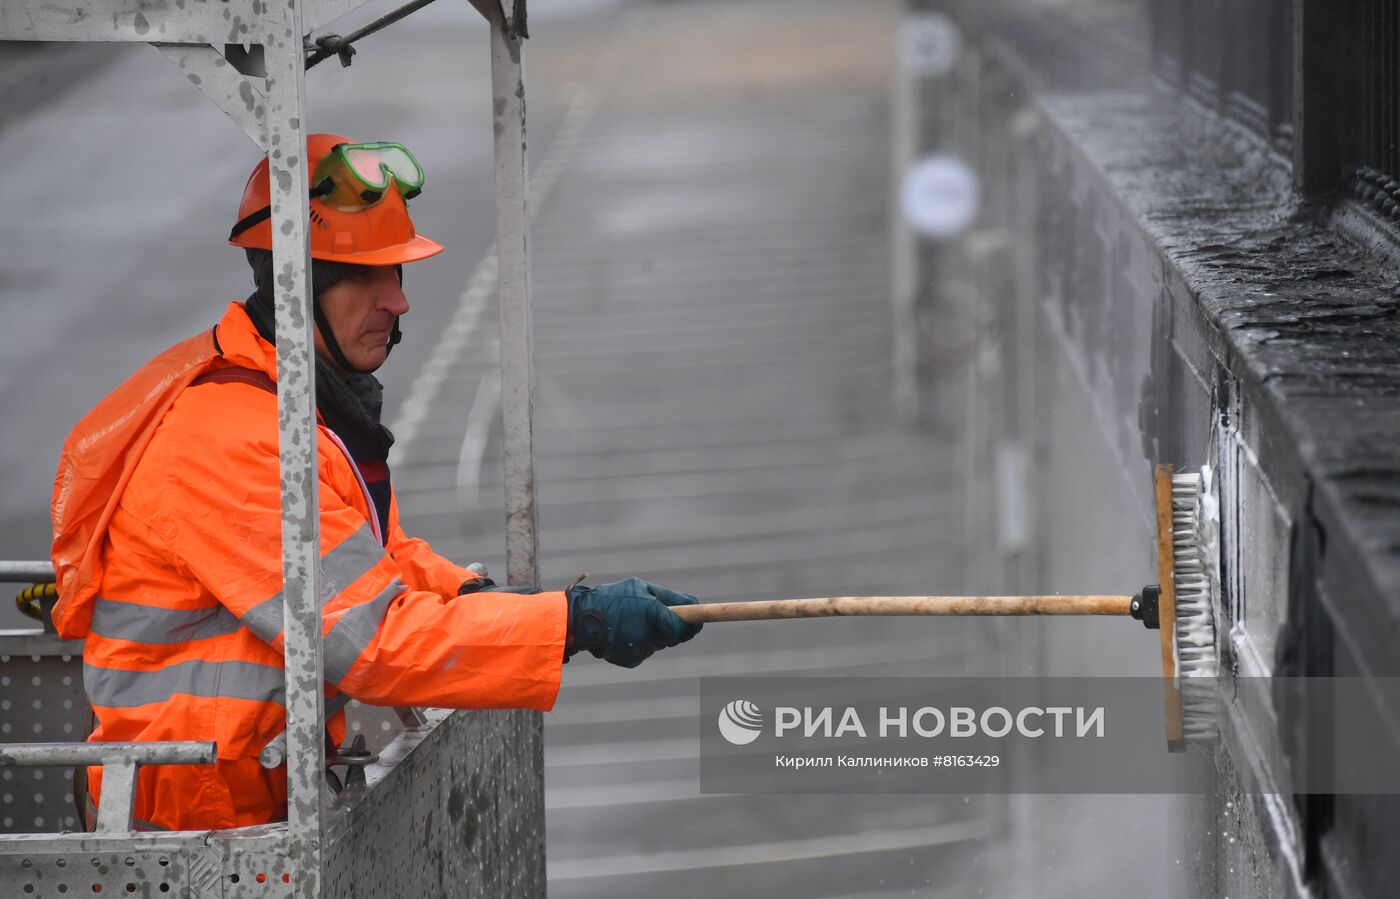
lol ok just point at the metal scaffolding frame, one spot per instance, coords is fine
(320, 850)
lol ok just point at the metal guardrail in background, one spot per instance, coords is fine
(119, 762)
(37, 599)
(26, 572)
(1238, 58)
(1233, 57)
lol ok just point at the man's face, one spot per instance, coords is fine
(361, 311)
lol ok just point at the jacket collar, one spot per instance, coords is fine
(241, 344)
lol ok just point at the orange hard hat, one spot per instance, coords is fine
(379, 234)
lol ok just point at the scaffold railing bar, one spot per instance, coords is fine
(489, 9)
(118, 802)
(141, 21)
(274, 753)
(334, 45)
(43, 755)
(285, 123)
(17, 572)
(513, 266)
(36, 642)
(270, 839)
(227, 88)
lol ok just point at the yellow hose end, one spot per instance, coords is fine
(27, 600)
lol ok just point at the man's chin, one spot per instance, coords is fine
(371, 360)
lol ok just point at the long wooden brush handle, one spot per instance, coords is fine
(906, 605)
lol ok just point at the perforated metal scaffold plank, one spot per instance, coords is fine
(446, 819)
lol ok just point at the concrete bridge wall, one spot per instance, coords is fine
(1145, 284)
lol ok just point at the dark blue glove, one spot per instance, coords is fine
(626, 622)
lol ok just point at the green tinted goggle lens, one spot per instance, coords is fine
(356, 176)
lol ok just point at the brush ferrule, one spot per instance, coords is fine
(1144, 607)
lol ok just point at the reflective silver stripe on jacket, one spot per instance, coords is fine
(340, 568)
(120, 688)
(354, 630)
(153, 624)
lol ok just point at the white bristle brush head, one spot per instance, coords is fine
(1195, 530)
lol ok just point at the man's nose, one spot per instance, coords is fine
(393, 300)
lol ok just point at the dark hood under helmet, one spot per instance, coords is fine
(324, 275)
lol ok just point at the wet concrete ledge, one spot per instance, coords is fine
(1292, 308)
(1302, 317)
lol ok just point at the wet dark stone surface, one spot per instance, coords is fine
(1305, 312)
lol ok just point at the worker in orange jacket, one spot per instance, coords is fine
(167, 523)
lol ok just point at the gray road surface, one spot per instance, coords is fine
(713, 413)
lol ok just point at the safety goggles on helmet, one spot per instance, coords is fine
(353, 177)
(374, 229)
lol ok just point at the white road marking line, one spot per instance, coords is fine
(481, 287)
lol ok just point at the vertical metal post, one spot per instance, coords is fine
(904, 243)
(520, 788)
(118, 798)
(296, 419)
(513, 262)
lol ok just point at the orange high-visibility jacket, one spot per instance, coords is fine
(168, 552)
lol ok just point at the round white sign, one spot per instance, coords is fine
(939, 196)
(929, 44)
